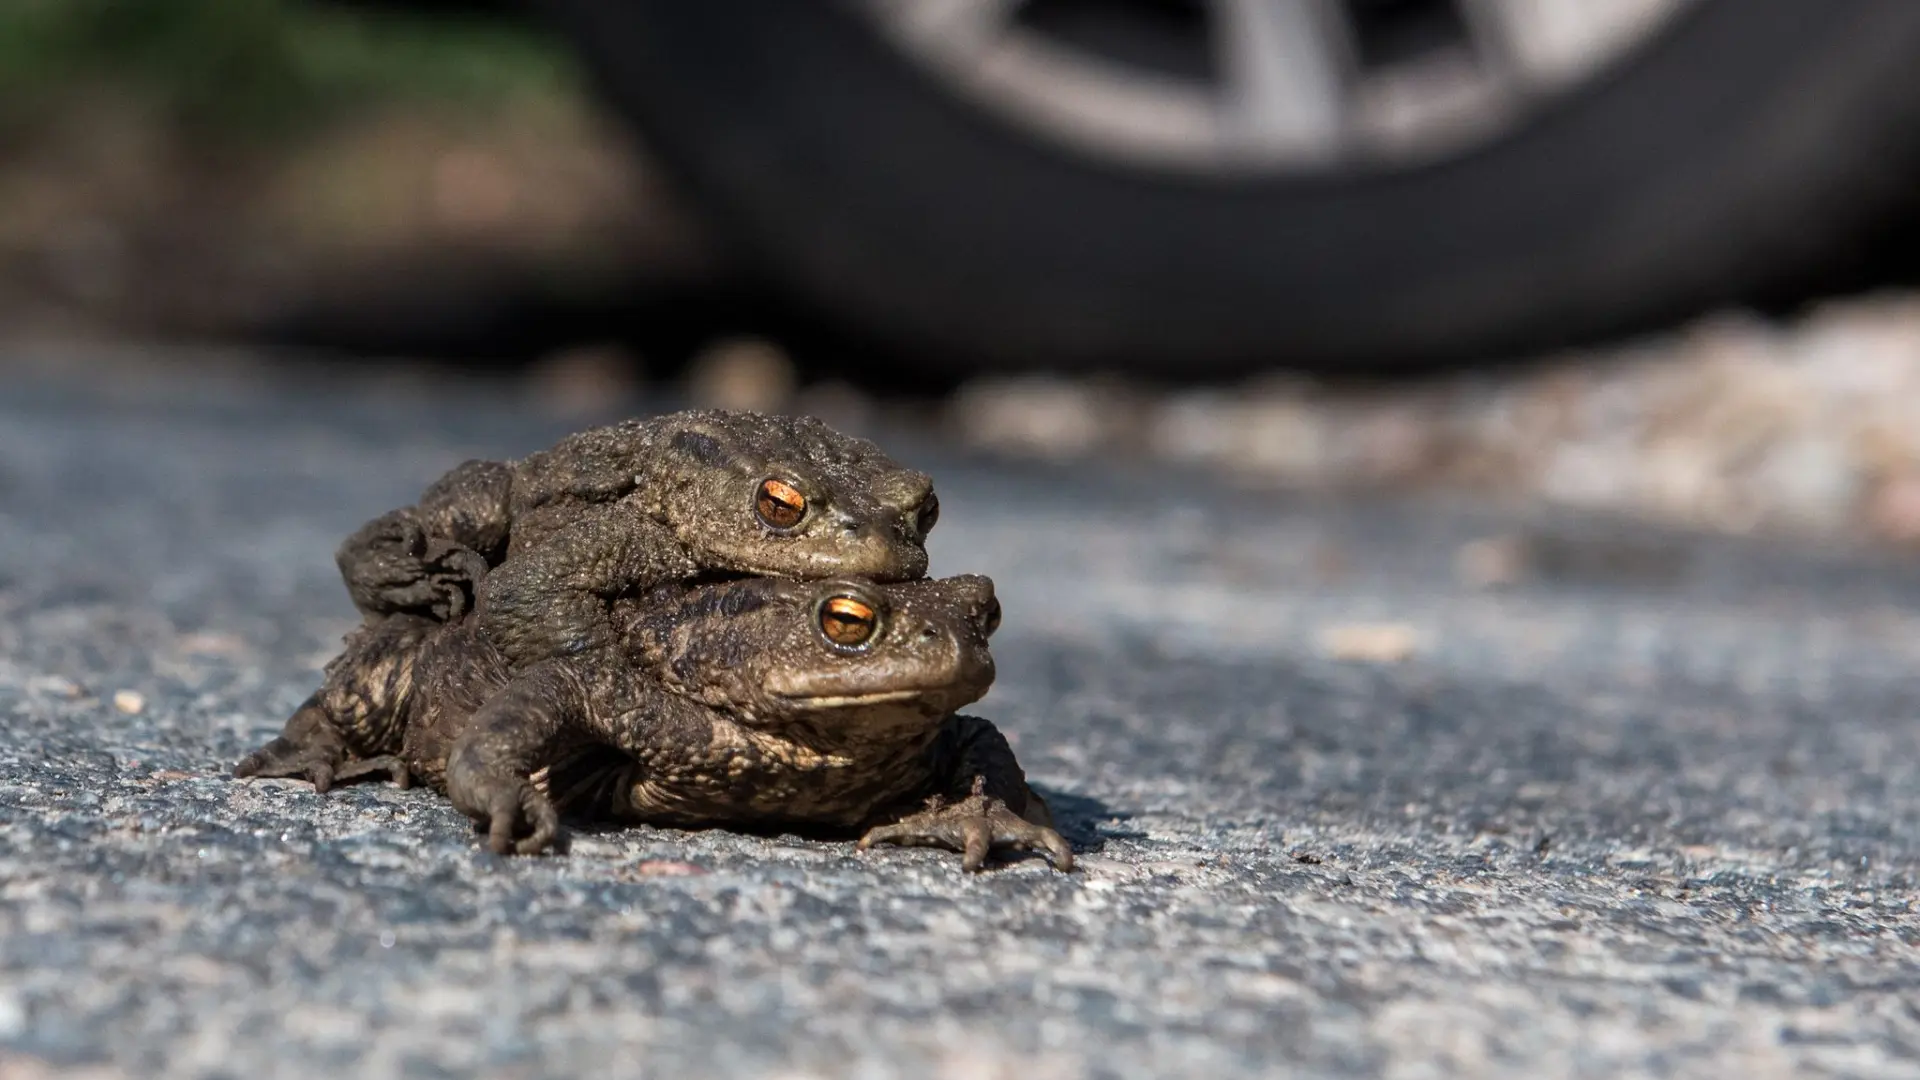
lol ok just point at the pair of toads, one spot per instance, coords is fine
(705, 618)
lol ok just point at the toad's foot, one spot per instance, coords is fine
(511, 811)
(319, 765)
(506, 806)
(972, 826)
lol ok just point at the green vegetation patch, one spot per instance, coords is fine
(264, 68)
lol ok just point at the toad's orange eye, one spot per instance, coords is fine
(780, 504)
(848, 623)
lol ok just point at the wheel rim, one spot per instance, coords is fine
(1269, 86)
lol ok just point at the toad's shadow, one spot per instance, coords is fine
(1087, 822)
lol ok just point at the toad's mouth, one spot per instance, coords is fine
(846, 701)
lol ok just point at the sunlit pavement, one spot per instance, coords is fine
(1337, 810)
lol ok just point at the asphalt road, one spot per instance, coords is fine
(1651, 811)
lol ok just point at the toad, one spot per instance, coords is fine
(759, 702)
(617, 509)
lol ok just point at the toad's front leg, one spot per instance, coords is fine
(490, 765)
(550, 598)
(984, 803)
(571, 716)
(428, 559)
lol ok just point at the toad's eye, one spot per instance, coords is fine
(780, 504)
(848, 623)
(928, 515)
(991, 621)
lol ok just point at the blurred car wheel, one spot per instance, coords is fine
(1210, 187)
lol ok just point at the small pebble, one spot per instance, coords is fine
(1379, 643)
(57, 685)
(585, 381)
(131, 702)
(1039, 416)
(664, 868)
(742, 373)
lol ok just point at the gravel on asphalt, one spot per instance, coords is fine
(1808, 427)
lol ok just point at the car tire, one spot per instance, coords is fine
(1752, 143)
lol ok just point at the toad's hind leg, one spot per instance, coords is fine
(981, 802)
(351, 726)
(972, 826)
(312, 748)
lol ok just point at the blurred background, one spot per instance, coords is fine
(1643, 256)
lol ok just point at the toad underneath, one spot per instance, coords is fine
(757, 702)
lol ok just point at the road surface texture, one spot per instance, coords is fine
(1651, 809)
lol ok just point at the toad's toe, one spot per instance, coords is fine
(284, 759)
(515, 811)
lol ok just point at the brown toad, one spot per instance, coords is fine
(760, 702)
(617, 509)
